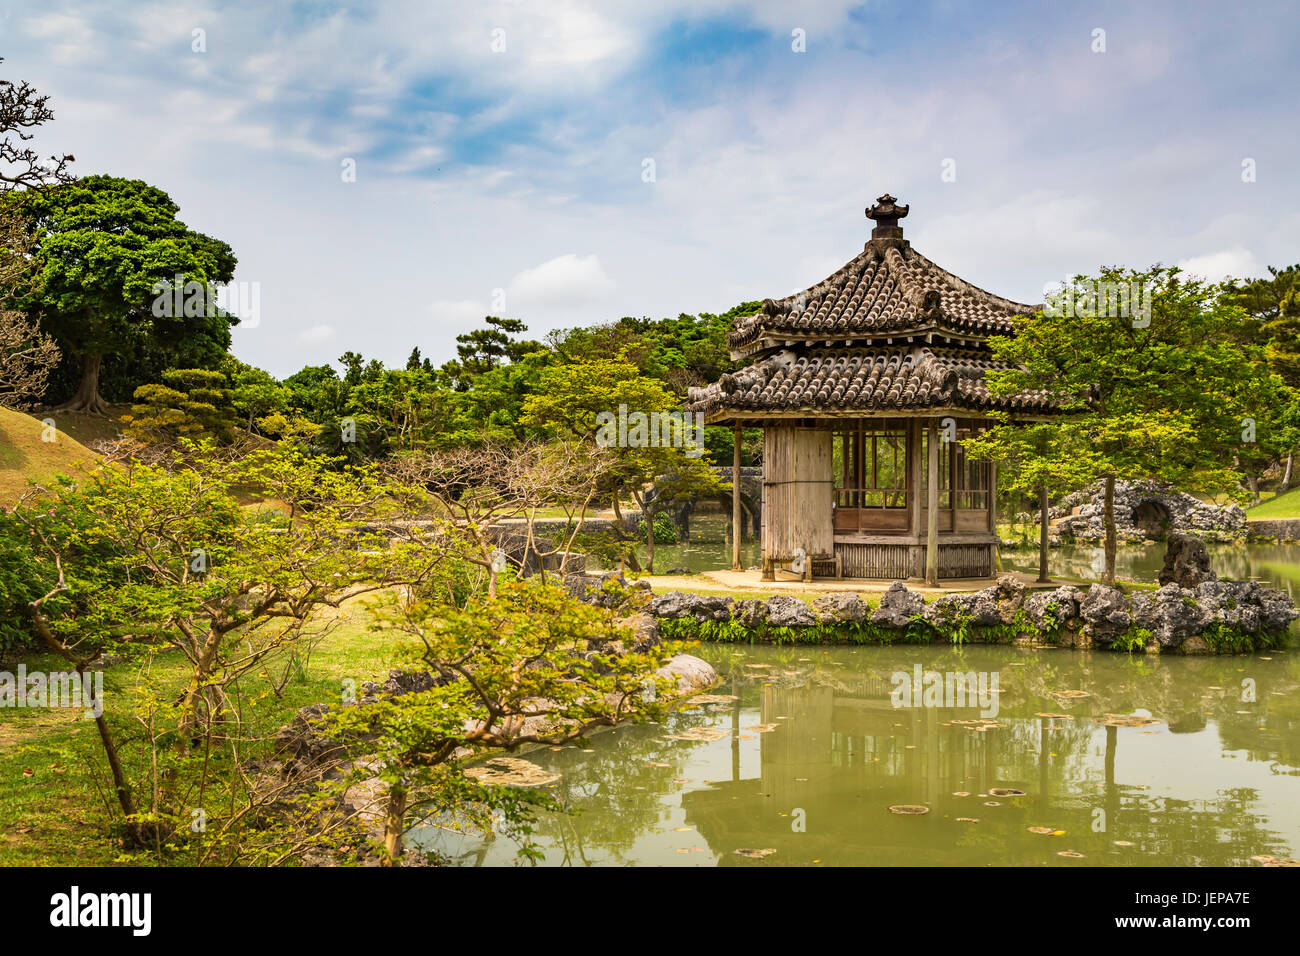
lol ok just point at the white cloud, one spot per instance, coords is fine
(560, 281)
(457, 313)
(1236, 262)
(316, 335)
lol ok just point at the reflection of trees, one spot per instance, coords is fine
(922, 756)
(843, 754)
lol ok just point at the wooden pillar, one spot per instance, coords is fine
(993, 497)
(1042, 534)
(995, 554)
(914, 476)
(932, 510)
(737, 523)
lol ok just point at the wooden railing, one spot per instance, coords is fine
(871, 497)
(964, 499)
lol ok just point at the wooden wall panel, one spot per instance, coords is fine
(797, 491)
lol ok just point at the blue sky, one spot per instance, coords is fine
(510, 180)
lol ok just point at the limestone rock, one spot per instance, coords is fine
(702, 607)
(1246, 606)
(692, 673)
(1145, 510)
(841, 607)
(1171, 614)
(672, 604)
(786, 611)
(645, 629)
(751, 613)
(1049, 610)
(1105, 613)
(898, 607)
(1187, 562)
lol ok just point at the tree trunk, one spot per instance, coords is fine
(1286, 475)
(194, 692)
(618, 512)
(1252, 482)
(120, 784)
(649, 541)
(394, 825)
(1108, 577)
(87, 398)
(1042, 534)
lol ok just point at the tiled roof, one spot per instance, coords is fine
(890, 289)
(848, 380)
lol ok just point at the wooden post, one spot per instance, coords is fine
(993, 498)
(932, 510)
(914, 476)
(1042, 534)
(737, 526)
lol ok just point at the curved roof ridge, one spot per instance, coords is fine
(960, 284)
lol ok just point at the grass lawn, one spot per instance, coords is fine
(55, 803)
(1285, 505)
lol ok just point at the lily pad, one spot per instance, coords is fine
(511, 771)
(699, 733)
(908, 808)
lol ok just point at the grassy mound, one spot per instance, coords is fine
(1285, 505)
(24, 457)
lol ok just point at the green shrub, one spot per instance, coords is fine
(665, 530)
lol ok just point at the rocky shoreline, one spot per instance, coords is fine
(1212, 617)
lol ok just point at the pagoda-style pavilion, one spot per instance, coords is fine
(865, 386)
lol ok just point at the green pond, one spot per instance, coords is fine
(804, 761)
(809, 754)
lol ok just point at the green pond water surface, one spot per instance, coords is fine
(810, 755)
(813, 740)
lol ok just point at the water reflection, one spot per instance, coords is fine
(1213, 782)
(1277, 565)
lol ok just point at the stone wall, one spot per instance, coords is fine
(1282, 529)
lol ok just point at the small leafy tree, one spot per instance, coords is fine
(164, 557)
(1141, 396)
(529, 665)
(189, 403)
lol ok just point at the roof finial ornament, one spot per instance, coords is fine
(886, 215)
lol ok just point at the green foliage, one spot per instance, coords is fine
(1224, 638)
(103, 248)
(1166, 396)
(665, 531)
(1135, 639)
(190, 403)
(525, 667)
